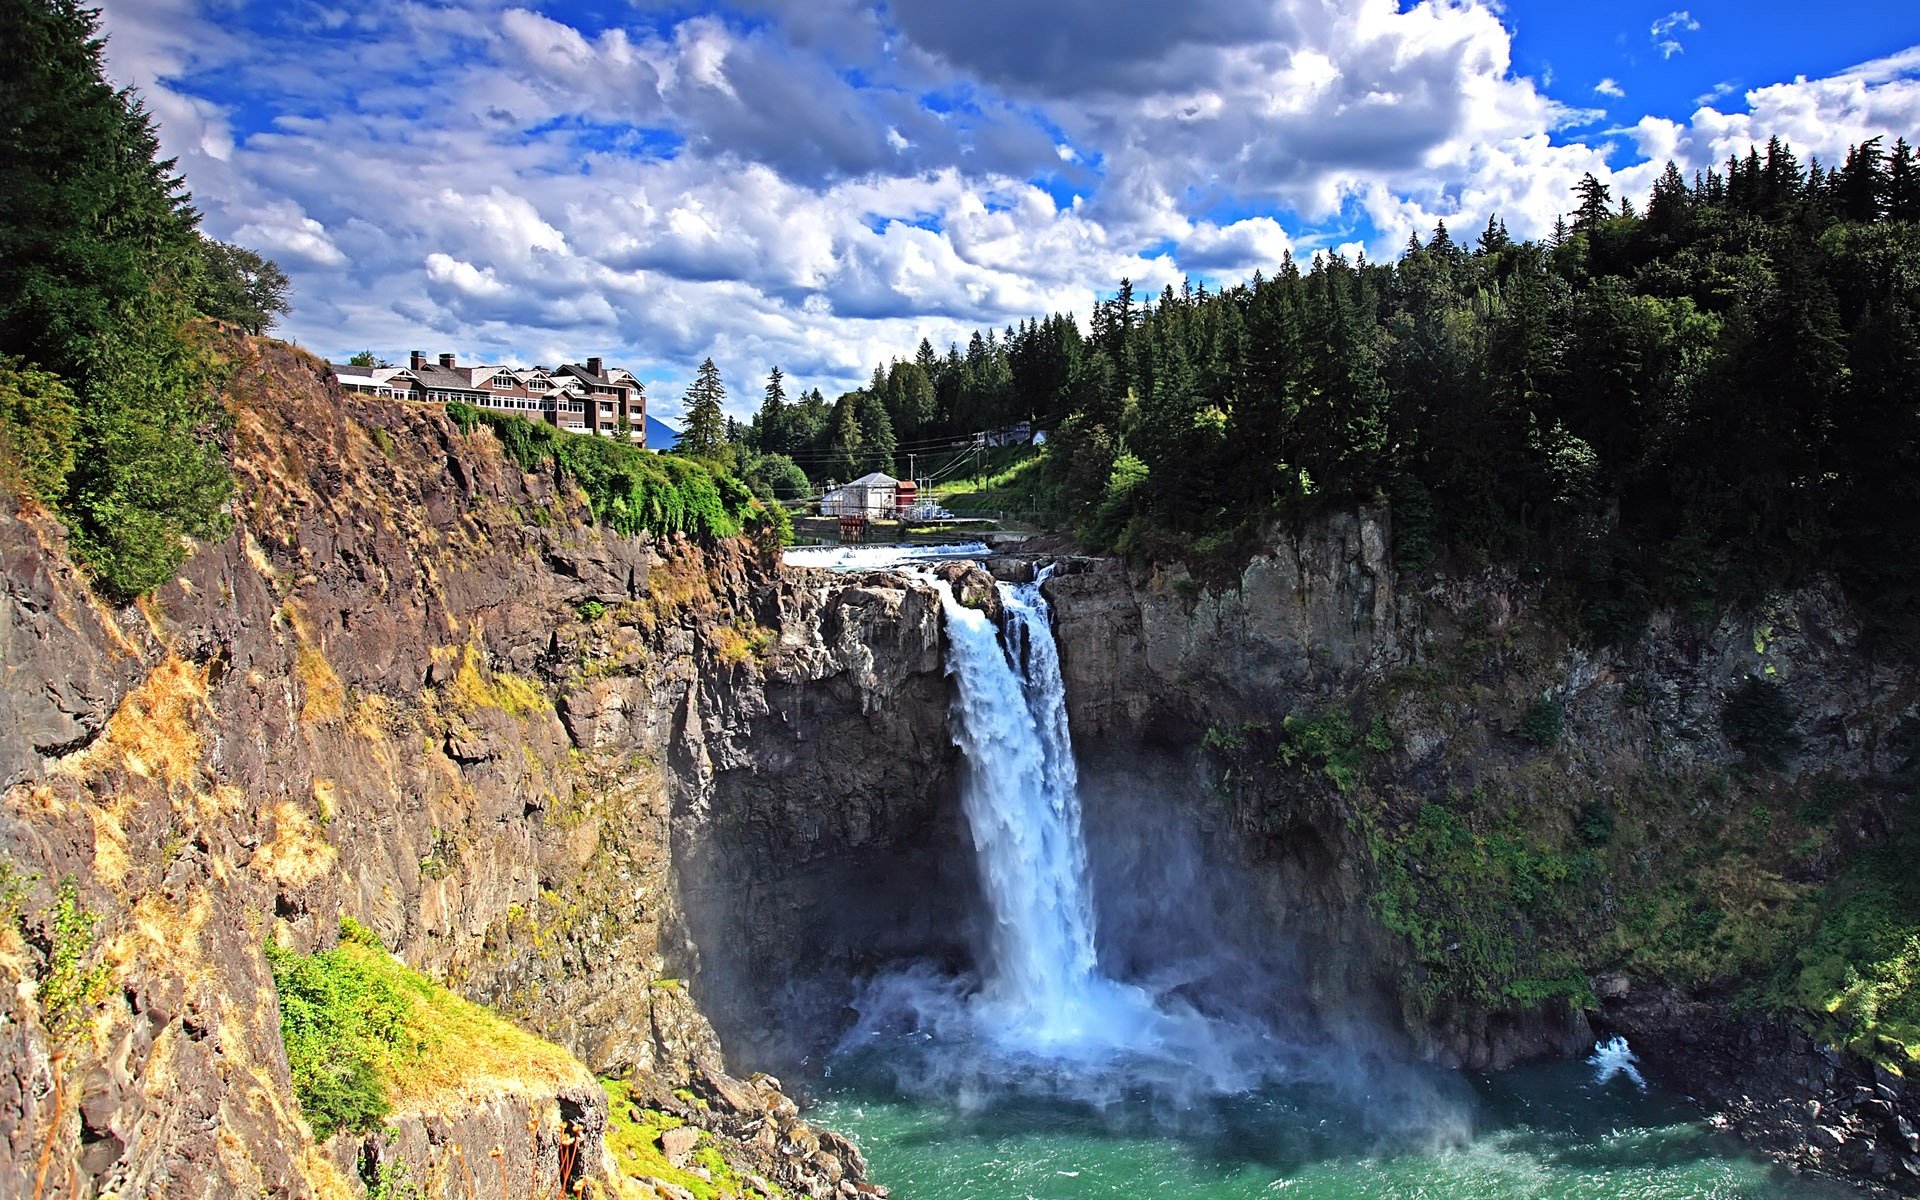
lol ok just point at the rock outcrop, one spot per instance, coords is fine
(1392, 770)
(550, 766)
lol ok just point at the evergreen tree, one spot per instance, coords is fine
(1903, 183)
(1594, 200)
(240, 286)
(100, 262)
(706, 422)
(876, 433)
(770, 424)
(845, 446)
(1859, 187)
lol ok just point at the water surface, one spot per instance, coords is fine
(1549, 1133)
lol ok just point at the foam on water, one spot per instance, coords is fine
(878, 558)
(1613, 1057)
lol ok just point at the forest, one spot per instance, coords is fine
(1682, 402)
(108, 372)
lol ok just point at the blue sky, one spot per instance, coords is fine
(819, 184)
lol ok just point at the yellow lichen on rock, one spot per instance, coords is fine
(299, 852)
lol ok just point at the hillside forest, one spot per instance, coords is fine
(1683, 400)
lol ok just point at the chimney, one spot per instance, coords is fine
(446, 360)
(593, 366)
(417, 361)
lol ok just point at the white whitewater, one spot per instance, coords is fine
(1044, 995)
(1614, 1057)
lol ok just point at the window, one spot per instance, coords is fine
(503, 382)
(536, 385)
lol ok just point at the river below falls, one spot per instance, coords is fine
(1542, 1133)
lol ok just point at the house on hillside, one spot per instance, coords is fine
(871, 496)
(391, 382)
(610, 395)
(579, 397)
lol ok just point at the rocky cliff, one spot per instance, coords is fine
(1450, 822)
(418, 688)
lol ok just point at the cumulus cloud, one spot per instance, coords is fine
(821, 183)
(1610, 87)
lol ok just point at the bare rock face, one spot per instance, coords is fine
(1482, 701)
(550, 766)
(61, 671)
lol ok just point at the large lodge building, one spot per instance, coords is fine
(578, 397)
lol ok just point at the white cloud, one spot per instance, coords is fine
(497, 182)
(1610, 87)
(1713, 95)
(1666, 31)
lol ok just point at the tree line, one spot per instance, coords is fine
(1685, 402)
(107, 375)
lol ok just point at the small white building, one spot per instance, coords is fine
(871, 496)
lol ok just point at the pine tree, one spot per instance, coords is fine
(1594, 199)
(705, 435)
(100, 261)
(1903, 183)
(844, 443)
(1859, 187)
(770, 424)
(876, 433)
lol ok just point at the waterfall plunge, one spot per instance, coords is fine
(1044, 991)
(1044, 997)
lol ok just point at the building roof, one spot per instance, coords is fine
(579, 371)
(437, 378)
(874, 479)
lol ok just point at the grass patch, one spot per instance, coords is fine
(473, 686)
(366, 1036)
(735, 644)
(324, 698)
(633, 1138)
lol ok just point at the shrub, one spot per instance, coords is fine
(1596, 823)
(341, 1019)
(68, 988)
(1758, 718)
(628, 489)
(37, 420)
(1543, 722)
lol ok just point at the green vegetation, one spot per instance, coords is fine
(1856, 974)
(107, 383)
(62, 940)
(633, 1138)
(1758, 717)
(345, 1021)
(68, 987)
(1683, 402)
(629, 489)
(1541, 724)
(1511, 893)
(364, 1033)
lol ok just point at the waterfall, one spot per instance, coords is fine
(1044, 992)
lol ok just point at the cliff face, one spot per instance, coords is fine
(1449, 822)
(417, 688)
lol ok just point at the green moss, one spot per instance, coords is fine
(1853, 978)
(633, 1138)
